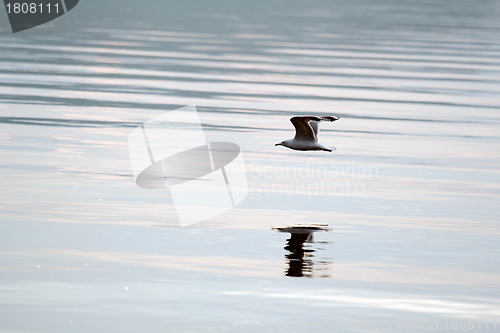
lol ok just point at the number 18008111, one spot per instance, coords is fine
(32, 8)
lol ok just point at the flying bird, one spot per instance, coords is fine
(306, 133)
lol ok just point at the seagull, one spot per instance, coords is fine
(306, 133)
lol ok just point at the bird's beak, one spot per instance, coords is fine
(277, 144)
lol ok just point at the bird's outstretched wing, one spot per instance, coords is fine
(302, 128)
(315, 124)
(306, 127)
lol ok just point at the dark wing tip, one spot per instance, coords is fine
(330, 118)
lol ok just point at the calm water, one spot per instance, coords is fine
(410, 197)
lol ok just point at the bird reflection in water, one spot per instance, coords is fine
(301, 249)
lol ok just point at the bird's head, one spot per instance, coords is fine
(282, 143)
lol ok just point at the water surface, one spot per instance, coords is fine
(410, 195)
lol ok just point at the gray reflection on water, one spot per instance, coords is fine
(301, 249)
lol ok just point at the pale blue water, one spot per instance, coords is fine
(411, 193)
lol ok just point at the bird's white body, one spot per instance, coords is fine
(298, 144)
(306, 133)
